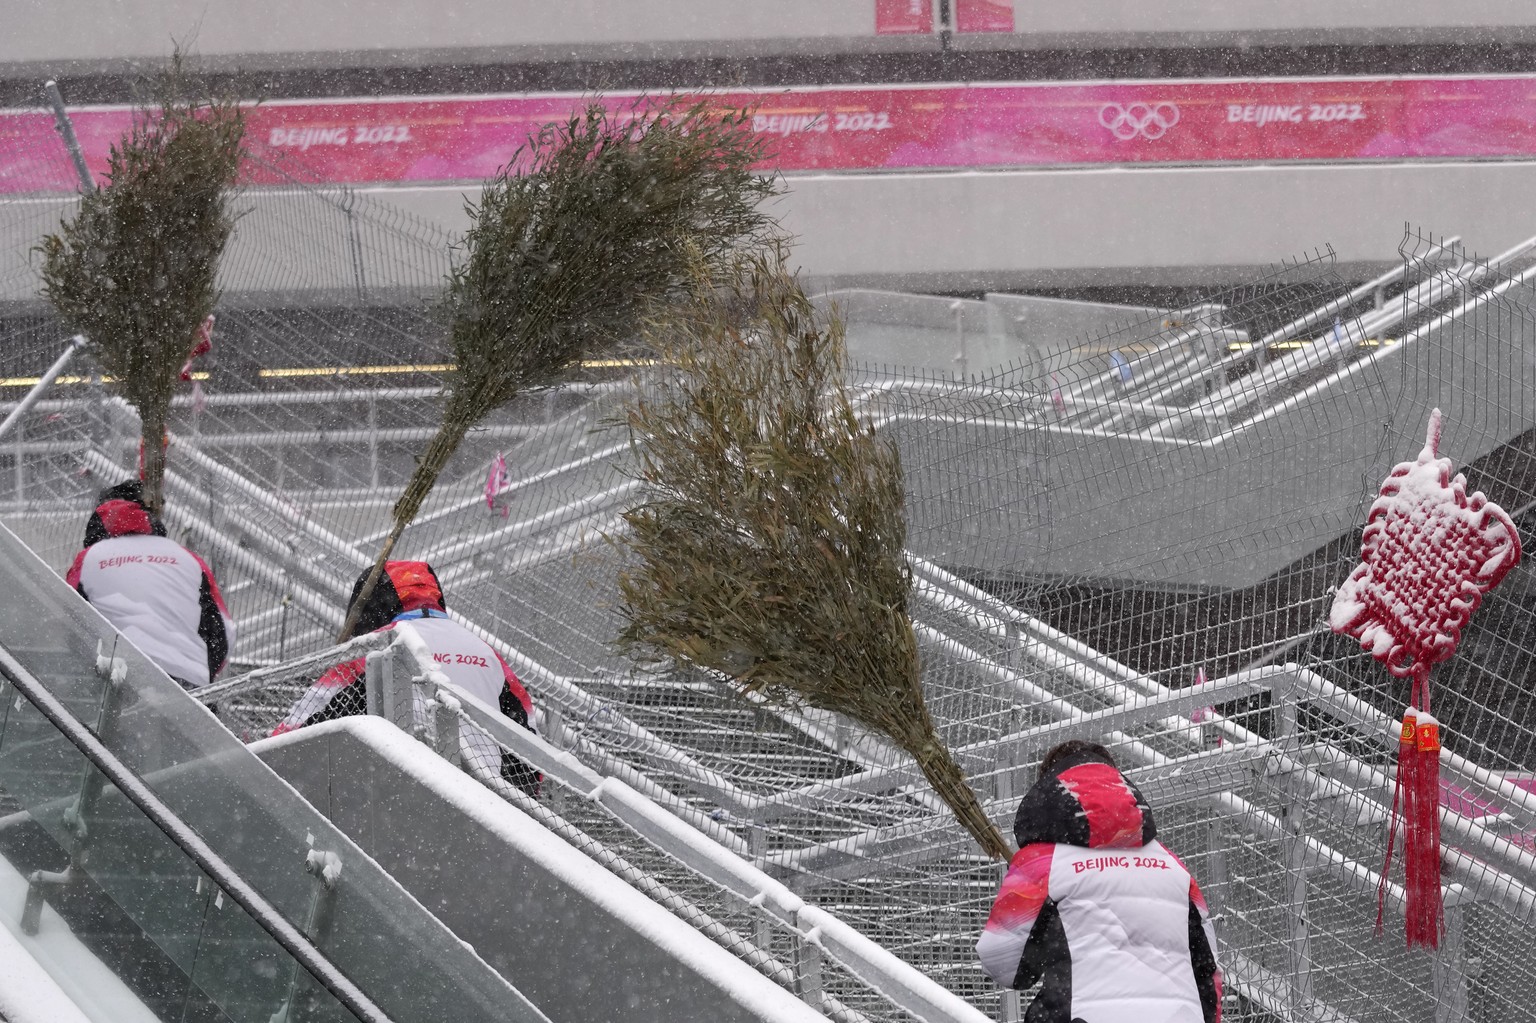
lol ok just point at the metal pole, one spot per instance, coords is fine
(247, 898)
(66, 130)
(1450, 969)
(21, 467)
(354, 244)
(373, 441)
(1293, 852)
(958, 308)
(44, 382)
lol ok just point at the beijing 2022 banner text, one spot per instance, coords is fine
(898, 128)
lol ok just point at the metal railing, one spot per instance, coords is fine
(404, 686)
(293, 941)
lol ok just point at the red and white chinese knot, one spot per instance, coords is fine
(1429, 553)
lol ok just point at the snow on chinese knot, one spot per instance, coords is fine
(1429, 553)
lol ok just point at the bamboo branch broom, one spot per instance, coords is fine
(771, 545)
(591, 228)
(135, 268)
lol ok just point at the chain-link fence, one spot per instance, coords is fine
(1090, 532)
(1205, 537)
(1015, 644)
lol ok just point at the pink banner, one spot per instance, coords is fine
(983, 15)
(422, 139)
(903, 17)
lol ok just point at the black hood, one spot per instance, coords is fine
(403, 586)
(120, 511)
(1084, 802)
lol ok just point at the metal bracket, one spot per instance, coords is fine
(78, 814)
(325, 868)
(39, 883)
(809, 983)
(1452, 968)
(376, 672)
(443, 724)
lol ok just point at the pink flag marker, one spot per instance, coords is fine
(203, 346)
(496, 481)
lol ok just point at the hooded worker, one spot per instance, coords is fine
(158, 594)
(408, 594)
(1096, 906)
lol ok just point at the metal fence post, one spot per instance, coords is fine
(66, 130)
(550, 724)
(375, 687)
(809, 983)
(21, 461)
(1217, 871)
(354, 243)
(395, 693)
(1006, 785)
(1293, 851)
(757, 845)
(373, 440)
(1451, 967)
(961, 359)
(444, 724)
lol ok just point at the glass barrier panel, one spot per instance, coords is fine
(250, 817)
(217, 963)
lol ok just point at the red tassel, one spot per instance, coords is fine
(1402, 792)
(1425, 914)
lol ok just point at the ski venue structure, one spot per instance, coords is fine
(1126, 534)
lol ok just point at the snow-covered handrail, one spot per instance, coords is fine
(1140, 700)
(1332, 307)
(31, 398)
(883, 971)
(250, 681)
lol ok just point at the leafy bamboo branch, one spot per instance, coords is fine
(595, 225)
(135, 268)
(770, 547)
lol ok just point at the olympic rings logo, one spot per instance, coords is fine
(1150, 121)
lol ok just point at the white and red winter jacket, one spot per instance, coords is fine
(158, 594)
(1098, 908)
(408, 597)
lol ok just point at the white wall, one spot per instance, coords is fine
(1160, 225)
(998, 230)
(1002, 230)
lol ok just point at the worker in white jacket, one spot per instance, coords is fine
(1097, 908)
(158, 594)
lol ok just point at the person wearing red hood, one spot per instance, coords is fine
(156, 592)
(1097, 907)
(408, 593)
